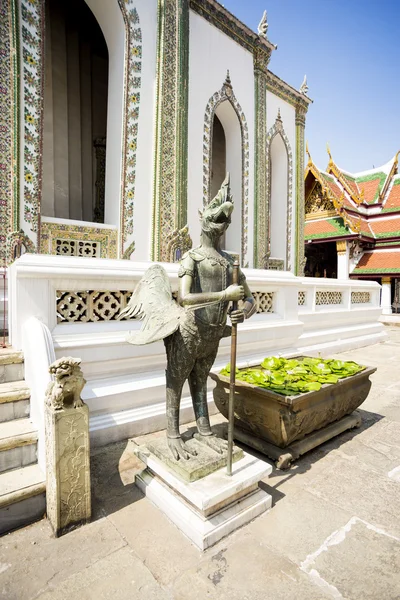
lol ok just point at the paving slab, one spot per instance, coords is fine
(341, 566)
(155, 540)
(244, 569)
(31, 559)
(118, 576)
(333, 531)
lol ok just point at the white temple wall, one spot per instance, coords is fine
(211, 54)
(288, 115)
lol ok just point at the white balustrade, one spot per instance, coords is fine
(77, 300)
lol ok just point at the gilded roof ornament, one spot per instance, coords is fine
(308, 154)
(263, 26)
(303, 89)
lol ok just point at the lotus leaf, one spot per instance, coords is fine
(296, 376)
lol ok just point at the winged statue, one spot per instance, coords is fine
(193, 326)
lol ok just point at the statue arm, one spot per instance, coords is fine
(186, 298)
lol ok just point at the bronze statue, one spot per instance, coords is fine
(192, 327)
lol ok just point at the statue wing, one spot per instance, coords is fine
(153, 303)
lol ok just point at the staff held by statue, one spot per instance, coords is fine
(231, 413)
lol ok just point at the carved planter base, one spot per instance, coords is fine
(284, 457)
(280, 422)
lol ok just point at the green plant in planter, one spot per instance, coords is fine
(293, 376)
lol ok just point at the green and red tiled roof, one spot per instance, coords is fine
(386, 228)
(378, 263)
(354, 208)
(351, 182)
(326, 228)
(392, 203)
(372, 185)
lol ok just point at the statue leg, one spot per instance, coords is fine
(176, 374)
(198, 389)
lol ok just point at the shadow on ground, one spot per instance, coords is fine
(305, 462)
(109, 494)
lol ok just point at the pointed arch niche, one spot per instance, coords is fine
(226, 148)
(279, 189)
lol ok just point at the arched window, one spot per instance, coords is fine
(279, 186)
(278, 198)
(224, 106)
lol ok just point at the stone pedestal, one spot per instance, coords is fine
(67, 467)
(210, 508)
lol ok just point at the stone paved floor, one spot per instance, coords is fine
(333, 531)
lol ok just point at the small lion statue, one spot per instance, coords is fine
(65, 390)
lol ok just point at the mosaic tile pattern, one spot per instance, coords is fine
(5, 125)
(261, 204)
(277, 129)
(300, 210)
(58, 238)
(9, 128)
(133, 70)
(170, 190)
(226, 93)
(32, 27)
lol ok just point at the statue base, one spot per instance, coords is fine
(207, 460)
(212, 507)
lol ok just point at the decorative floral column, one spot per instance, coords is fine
(301, 110)
(261, 204)
(170, 190)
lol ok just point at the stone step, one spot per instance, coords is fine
(22, 497)
(14, 400)
(11, 365)
(9, 356)
(18, 444)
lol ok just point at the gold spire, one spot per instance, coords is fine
(308, 154)
(396, 160)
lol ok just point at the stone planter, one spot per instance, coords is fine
(284, 427)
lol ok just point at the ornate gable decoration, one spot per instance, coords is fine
(318, 202)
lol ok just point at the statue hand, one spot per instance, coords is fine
(234, 292)
(236, 316)
(179, 449)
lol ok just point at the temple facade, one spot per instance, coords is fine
(119, 119)
(352, 226)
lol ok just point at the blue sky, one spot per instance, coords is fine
(350, 51)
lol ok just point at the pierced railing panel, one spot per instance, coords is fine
(93, 306)
(328, 298)
(90, 306)
(301, 298)
(360, 297)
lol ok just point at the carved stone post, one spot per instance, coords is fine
(261, 216)
(67, 448)
(170, 189)
(301, 110)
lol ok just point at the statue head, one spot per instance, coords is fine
(216, 217)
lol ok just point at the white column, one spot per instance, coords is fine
(342, 259)
(386, 298)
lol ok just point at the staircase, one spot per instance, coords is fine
(22, 483)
